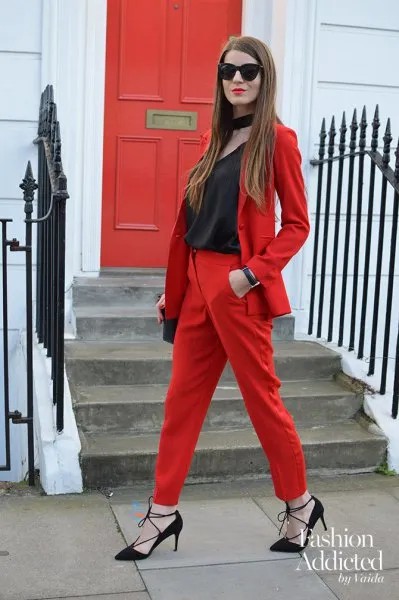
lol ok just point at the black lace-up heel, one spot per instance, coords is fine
(174, 528)
(284, 545)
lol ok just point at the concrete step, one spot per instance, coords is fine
(122, 460)
(132, 271)
(135, 322)
(139, 408)
(118, 288)
(141, 363)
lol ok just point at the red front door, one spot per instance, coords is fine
(161, 57)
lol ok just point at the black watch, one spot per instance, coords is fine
(253, 282)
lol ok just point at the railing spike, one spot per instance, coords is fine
(28, 186)
(29, 172)
(386, 156)
(363, 127)
(54, 113)
(57, 148)
(331, 136)
(364, 113)
(322, 136)
(397, 161)
(375, 127)
(343, 129)
(354, 127)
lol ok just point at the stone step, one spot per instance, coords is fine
(133, 322)
(121, 460)
(118, 288)
(139, 408)
(131, 271)
(140, 363)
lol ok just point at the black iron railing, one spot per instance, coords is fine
(357, 265)
(50, 281)
(28, 186)
(50, 272)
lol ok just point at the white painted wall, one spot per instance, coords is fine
(355, 45)
(20, 64)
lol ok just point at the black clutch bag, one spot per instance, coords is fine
(169, 328)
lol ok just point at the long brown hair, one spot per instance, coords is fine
(259, 148)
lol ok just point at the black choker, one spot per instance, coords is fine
(244, 121)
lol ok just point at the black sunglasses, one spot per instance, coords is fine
(248, 71)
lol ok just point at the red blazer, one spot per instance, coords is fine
(264, 252)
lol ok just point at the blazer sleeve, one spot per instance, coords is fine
(295, 227)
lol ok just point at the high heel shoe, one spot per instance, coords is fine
(284, 545)
(174, 528)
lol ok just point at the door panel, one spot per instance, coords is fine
(161, 56)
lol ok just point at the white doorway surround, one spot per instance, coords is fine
(74, 36)
(288, 27)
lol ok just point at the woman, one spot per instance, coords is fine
(224, 284)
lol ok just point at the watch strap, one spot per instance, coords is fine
(250, 276)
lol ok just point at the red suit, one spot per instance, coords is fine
(215, 325)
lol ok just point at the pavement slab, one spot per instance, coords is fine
(61, 547)
(244, 581)
(395, 491)
(361, 587)
(123, 596)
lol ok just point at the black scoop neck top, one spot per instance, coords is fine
(215, 226)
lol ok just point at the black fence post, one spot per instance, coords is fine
(6, 387)
(341, 147)
(385, 160)
(29, 186)
(323, 136)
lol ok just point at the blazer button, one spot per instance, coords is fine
(241, 226)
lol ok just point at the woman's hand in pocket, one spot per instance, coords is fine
(160, 304)
(239, 283)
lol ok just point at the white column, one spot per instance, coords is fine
(288, 27)
(74, 62)
(49, 41)
(296, 106)
(257, 19)
(93, 135)
(265, 19)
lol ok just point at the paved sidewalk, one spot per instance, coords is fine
(64, 546)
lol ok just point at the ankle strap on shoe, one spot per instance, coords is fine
(161, 515)
(288, 510)
(150, 514)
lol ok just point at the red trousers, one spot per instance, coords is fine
(213, 327)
